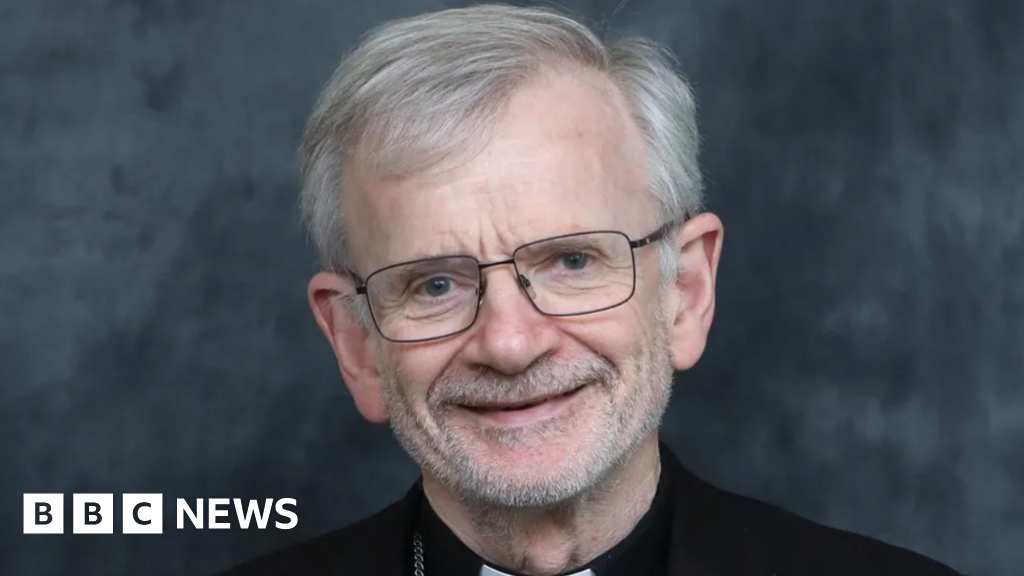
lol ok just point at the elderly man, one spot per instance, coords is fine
(508, 212)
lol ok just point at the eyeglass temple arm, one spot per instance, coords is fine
(653, 236)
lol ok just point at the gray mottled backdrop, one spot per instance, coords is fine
(866, 365)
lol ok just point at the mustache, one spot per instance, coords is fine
(546, 377)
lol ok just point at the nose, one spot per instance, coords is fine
(510, 334)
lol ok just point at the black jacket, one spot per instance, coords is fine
(714, 533)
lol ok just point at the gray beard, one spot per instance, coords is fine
(441, 451)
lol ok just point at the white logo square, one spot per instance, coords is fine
(142, 514)
(92, 514)
(44, 513)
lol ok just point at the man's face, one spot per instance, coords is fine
(563, 158)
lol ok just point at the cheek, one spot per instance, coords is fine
(619, 335)
(415, 370)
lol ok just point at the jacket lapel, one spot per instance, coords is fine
(383, 546)
(685, 559)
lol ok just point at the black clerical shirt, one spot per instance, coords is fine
(644, 552)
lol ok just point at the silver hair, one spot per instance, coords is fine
(420, 91)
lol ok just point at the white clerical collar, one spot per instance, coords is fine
(486, 570)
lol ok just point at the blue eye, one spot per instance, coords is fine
(575, 260)
(437, 286)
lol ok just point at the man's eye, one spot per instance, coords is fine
(437, 286)
(574, 260)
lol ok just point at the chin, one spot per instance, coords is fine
(532, 472)
(531, 488)
(548, 446)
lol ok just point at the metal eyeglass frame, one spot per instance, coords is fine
(523, 281)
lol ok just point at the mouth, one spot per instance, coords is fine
(526, 412)
(519, 405)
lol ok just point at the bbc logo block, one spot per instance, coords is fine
(142, 513)
(44, 513)
(92, 513)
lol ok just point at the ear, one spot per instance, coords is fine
(353, 344)
(691, 299)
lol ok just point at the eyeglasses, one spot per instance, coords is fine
(567, 275)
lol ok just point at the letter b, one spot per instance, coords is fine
(92, 514)
(43, 511)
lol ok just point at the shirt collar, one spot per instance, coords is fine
(486, 570)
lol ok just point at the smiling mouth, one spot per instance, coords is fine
(524, 405)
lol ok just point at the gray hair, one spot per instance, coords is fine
(418, 91)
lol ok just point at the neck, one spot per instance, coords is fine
(542, 542)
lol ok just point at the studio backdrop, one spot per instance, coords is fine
(866, 364)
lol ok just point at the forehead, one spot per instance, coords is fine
(565, 156)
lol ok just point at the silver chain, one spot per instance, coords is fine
(417, 554)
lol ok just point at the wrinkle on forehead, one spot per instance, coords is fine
(565, 157)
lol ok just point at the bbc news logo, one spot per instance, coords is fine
(143, 513)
